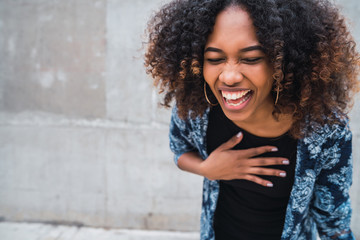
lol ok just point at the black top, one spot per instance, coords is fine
(246, 210)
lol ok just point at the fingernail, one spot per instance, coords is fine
(286, 162)
(274, 149)
(239, 134)
(282, 174)
(269, 185)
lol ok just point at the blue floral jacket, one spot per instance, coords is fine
(319, 200)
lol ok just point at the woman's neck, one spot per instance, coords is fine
(268, 126)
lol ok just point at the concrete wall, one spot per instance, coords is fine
(81, 137)
(82, 140)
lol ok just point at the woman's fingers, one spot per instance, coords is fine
(258, 180)
(246, 153)
(263, 161)
(232, 142)
(252, 172)
(252, 152)
(267, 172)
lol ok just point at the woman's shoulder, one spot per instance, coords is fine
(189, 120)
(340, 129)
(337, 129)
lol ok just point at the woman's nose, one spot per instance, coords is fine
(231, 76)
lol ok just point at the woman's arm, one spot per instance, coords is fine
(331, 206)
(191, 162)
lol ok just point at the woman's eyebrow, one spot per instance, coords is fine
(252, 48)
(247, 49)
(212, 49)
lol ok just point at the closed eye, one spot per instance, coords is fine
(251, 60)
(215, 60)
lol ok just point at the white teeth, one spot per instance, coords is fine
(234, 95)
(237, 104)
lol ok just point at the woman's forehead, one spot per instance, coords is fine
(233, 25)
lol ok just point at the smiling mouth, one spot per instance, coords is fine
(236, 98)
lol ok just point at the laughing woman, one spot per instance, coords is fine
(261, 90)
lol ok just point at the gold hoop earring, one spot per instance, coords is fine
(207, 99)
(277, 95)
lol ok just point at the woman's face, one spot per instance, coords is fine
(236, 68)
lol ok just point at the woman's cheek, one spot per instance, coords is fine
(210, 74)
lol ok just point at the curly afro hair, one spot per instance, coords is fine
(314, 57)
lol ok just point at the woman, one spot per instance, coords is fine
(261, 89)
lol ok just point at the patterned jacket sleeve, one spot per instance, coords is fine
(331, 204)
(180, 136)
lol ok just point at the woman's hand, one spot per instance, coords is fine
(227, 164)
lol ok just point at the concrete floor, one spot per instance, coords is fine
(37, 231)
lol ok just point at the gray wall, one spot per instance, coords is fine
(82, 140)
